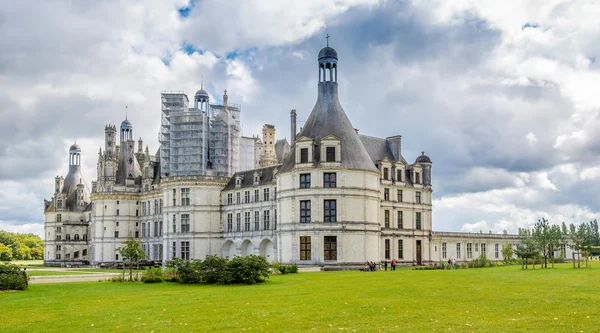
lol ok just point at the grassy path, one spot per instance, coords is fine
(468, 300)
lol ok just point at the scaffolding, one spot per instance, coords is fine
(171, 102)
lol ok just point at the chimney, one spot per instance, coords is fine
(293, 127)
(395, 144)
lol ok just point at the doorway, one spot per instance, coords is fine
(419, 259)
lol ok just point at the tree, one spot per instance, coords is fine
(576, 243)
(507, 252)
(543, 238)
(131, 253)
(527, 249)
(5, 253)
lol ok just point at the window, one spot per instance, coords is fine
(330, 247)
(400, 196)
(117, 223)
(457, 250)
(117, 256)
(418, 197)
(58, 229)
(256, 196)
(116, 235)
(117, 202)
(444, 252)
(330, 154)
(84, 252)
(266, 220)
(247, 197)
(386, 194)
(476, 247)
(137, 212)
(143, 208)
(117, 212)
(59, 204)
(266, 194)
(76, 255)
(400, 249)
(483, 247)
(386, 218)
(305, 248)
(58, 247)
(58, 217)
(417, 178)
(400, 220)
(174, 250)
(238, 198)
(399, 175)
(387, 249)
(174, 223)
(185, 250)
(305, 180)
(238, 222)
(174, 197)
(156, 229)
(160, 206)
(329, 179)
(229, 198)
(330, 207)
(305, 211)
(247, 220)
(58, 256)
(418, 220)
(58, 237)
(76, 237)
(469, 250)
(229, 222)
(275, 220)
(257, 220)
(156, 205)
(386, 173)
(497, 251)
(304, 155)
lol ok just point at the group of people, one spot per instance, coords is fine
(372, 266)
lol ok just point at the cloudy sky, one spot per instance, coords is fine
(502, 95)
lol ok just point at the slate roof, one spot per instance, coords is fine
(267, 177)
(282, 147)
(378, 148)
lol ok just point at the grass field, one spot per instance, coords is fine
(467, 300)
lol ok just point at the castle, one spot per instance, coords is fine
(331, 197)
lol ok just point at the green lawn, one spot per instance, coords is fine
(466, 300)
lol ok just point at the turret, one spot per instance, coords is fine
(110, 133)
(425, 163)
(268, 156)
(58, 184)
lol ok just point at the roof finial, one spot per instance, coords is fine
(422, 153)
(327, 39)
(125, 112)
(202, 82)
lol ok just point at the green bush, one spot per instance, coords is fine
(12, 278)
(152, 275)
(284, 269)
(249, 270)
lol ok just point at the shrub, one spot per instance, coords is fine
(152, 275)
(284, 269)
(12, 278)
(212, 269)
(249, 270)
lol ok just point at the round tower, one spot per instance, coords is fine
(201, 99)
(425, 163)
(75, 155)
(126, 130)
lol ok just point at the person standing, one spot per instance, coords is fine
(385, 265)
(394, 264)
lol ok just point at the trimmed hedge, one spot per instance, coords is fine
(12, 278)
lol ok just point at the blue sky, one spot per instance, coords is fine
(501, 95)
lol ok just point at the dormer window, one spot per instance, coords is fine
(399, 175)
(417, 178)
(330, 154)
(304, 155)
(386, 173)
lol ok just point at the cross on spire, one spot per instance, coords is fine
(125, 112)
(327, 39)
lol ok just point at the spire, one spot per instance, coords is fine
(327, 39)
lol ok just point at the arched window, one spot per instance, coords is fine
(76, 237)
(68, 237)
(155, 207)
(160, 206)
(84, 237)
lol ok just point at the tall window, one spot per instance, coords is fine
(238, 197)
(174, 197)
(117, 212)
(229, 198)
(304, 155)
(329, 179)
(400, 249)
(386, 173)
(469, 250)
(275, 220)
(256, 195)
(386, 218)
(238, 222)
(174, 223)
(305, 248)
(185, 250)
(400, 220)
(399, 175)
(400, 196)
(457, 250)
(160, 206)
(330, 246)
(266, 220)
(156, 206)
(387, 249)
(266, 194)
(143, 208)
(417, 178)
(330, 208)
(160, 228)
(476, 247)
(174, 250)
(497, 251)
(185, 223)
(305, 180)
(229, 222)
(247, 220)
(247, 197)
(418, 197)
(143, 230)
(418, 220)
(305, 211)
(116, 235)
(483, 247)
(58, 217)
(156, 229)
(386, 194)
(59, 204)
(330, 154)
(444, 252)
